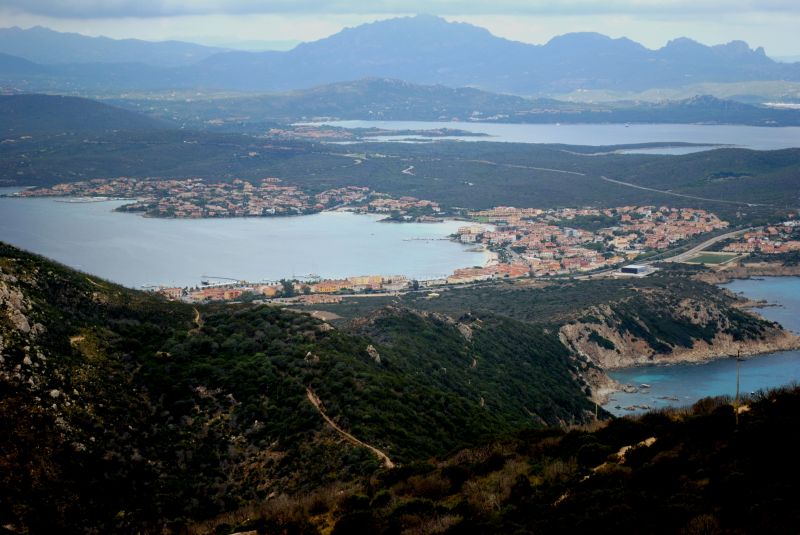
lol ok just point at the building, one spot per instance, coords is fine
(171, 293)
(635, 269)
(269, 290)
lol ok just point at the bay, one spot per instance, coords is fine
(690, 382)
(138, 251)
(752, 137)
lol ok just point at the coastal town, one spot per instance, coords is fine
(197, 198)
(521, 242)
(518, 242)
(768, 240)
(559, 242)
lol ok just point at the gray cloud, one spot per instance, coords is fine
(166, 8)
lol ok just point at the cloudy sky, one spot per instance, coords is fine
(772, 24)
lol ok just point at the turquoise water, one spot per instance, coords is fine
(135, 251)
(690, 382)
(753, 137)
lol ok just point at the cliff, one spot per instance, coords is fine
(659, 326)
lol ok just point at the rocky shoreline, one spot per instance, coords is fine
(747, 271)
(603, 386)
(632, 355)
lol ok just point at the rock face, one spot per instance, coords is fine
(373, 353)
(13, 304)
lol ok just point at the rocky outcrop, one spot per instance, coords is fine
(747, 270)
(631, 351)
(373, 354)
(655, 331)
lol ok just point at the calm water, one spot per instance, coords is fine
(690, 382)
(754, 137)
(135, 251)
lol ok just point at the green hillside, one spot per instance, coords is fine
(689, 471)
(29, 115)
(471, 175)
(124, 412)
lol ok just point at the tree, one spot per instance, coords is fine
(288, 288)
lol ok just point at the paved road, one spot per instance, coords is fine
(682, 257)
(685, 196)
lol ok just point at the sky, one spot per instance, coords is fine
(772, 24)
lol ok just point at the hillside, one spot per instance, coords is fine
(26, 115)
(396, 100)
(738, 184)
(665, 318)
(691, 471)
(128, 412)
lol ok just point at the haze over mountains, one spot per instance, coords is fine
(422, 49)
(41, 45)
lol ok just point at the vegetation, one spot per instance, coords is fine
(691, 470)
(480, 175)
(385, 99)
(130, 413)
(22, 115)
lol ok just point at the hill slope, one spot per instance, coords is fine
(50, 114)
(682, 471)
(128, 412)
(396, 100)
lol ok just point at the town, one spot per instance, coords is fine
(522, 242)
(536, 242)
(196, 198)
(519, 242)
(769, 240)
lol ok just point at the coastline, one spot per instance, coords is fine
(603, 386)
(779, 341)
(743, 270)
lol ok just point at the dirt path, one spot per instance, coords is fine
(198, 321)
(96, 283)
(312, 397)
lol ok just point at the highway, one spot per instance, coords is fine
(682, 257)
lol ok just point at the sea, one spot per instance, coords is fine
(705, 136)
(683, 384)
(137, 251)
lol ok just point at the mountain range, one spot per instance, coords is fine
(422, 49)
(42, 45)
